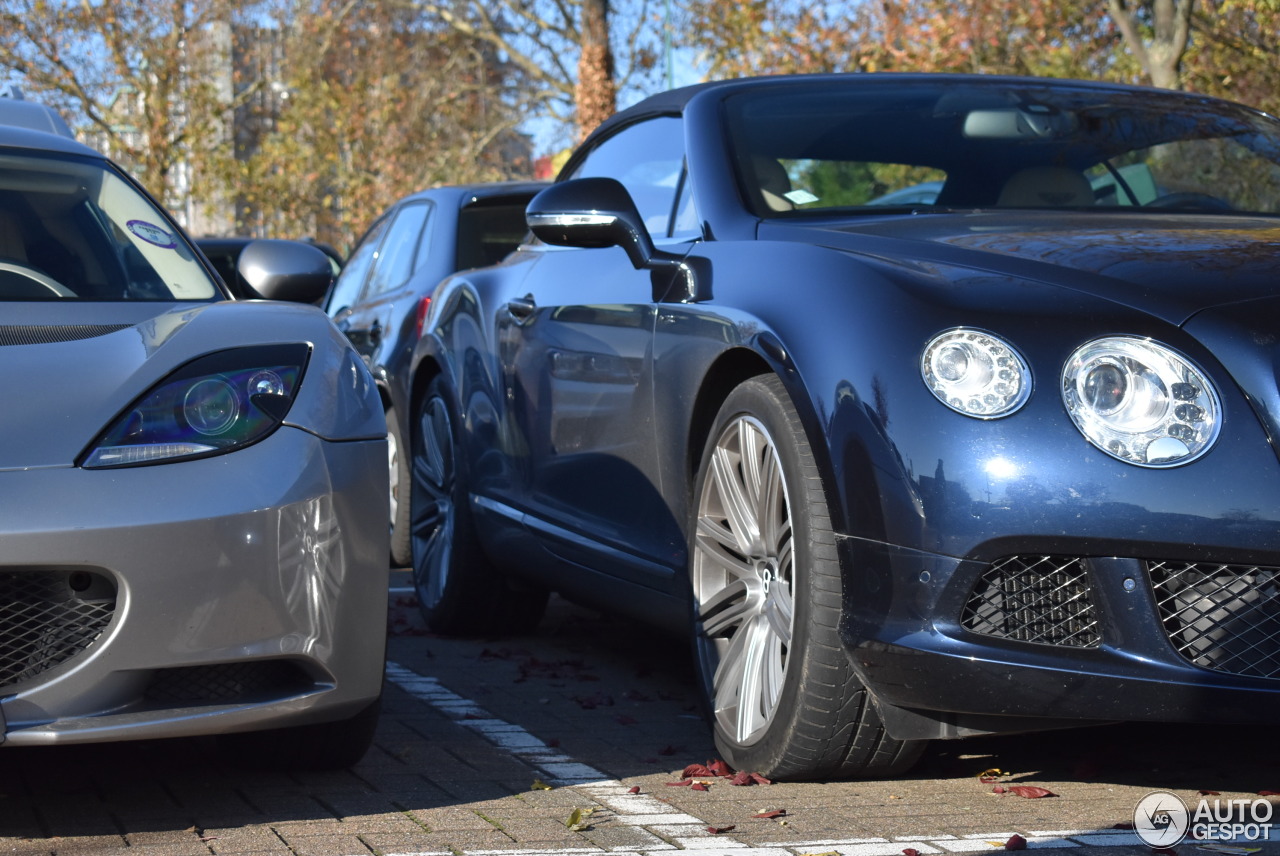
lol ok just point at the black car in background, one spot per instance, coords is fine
(998, 459)
(381, 298)
(224, 255)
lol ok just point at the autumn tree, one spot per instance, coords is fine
(138, 79)
(375, 102)
(1157, 32)
(557, 44)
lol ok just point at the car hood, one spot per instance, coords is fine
(1168, 265)
(68, 369)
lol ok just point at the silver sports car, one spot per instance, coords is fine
(193, 490)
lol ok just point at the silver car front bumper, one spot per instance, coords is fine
(232, 593)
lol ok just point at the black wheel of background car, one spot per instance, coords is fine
(398, 472)
(459, 590)
(322, 746)
(776, 684)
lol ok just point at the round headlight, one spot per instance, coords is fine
(1140, 401)
(211, 406)
(975, 373)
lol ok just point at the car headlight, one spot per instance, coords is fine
(975, 373)
(214, 404)
(1140, 401)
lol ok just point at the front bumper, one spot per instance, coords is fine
(952, 648)
(232, 593)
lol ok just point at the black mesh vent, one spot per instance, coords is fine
(1041, 599)
(47, 617)
(223, 683)
(1221, 617)
(45, 335)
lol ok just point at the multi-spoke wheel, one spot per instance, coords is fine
(766, 590)
(398, 478)
(459, 590)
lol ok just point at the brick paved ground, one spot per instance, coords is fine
(595, 708)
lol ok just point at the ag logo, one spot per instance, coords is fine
(1161, 819)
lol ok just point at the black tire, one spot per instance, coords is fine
(399, 478)
(322, 746)
(459, 590)
(766, 600)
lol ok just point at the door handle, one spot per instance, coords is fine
(522, 308)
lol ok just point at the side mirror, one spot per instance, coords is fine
(286, 270)
(590, 213)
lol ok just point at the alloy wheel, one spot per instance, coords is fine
(434, 511)
(743, 577)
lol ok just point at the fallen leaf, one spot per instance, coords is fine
(1031, 792)
(1209, 793)
(635, 789)
(539, 785)
(1124, 824)
(720, 768)
(749, 779)
(696, 770)
(717, 830)
(988, 777)
(683, 783)
(1269, 793)
(910, 851)
(770, 815)
(577, 821)
(1016, 842)
(699, 786)
(998, 789)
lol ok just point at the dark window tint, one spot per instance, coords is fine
(647, 158)
(487, 233)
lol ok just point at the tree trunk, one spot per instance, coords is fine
(1161, 59)
(596, 94)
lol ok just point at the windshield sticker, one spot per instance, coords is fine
(152, 234)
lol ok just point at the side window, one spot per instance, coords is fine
(395, 256)
(346, 291)
(647, 158)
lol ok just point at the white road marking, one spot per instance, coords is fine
(657, 827)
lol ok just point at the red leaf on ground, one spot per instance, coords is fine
(1209, 793)
(720, 768)
(1031, 792)
(1124, 824)
(684, 784)
(716, 830)
(634, 790)
(761, 780)
(696, 770)
(987, 780)
(910, 851)
(698, 786)
(1016, 842)
(1269, 793)
(770, 815)
(998, 789)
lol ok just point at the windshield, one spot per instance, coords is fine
(73, 229)
(868, 146)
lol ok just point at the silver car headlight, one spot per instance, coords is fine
(1140, 401)
(975, 373)
(215, 404)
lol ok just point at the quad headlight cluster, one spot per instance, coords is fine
(214, 404)
(1133, 398)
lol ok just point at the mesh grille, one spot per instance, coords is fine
(15, 334)
(46, 618)
(225, 682)
(1221, 617)
(1041, 599)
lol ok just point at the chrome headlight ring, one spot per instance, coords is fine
(975, 373)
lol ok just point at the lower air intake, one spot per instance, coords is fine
(1041, 599)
